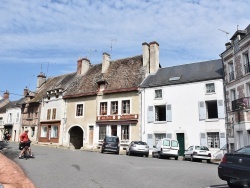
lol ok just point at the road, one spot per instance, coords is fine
(63, 168)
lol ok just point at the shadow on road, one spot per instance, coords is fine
(9, 151)
(219, 186)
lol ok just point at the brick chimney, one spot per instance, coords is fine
(25, 91)
(41, 78)
(145, 56)
(105, 62)
(153, 57)
(83, 66)
(6, 95)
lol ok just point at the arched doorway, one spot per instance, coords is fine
(76, 137)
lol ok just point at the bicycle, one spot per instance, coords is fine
(26, 153)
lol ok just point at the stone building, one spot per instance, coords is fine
(237, 86)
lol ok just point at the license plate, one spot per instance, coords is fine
(141, 149)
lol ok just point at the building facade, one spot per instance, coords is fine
(186, 103)
(237, 86)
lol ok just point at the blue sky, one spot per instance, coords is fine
(50, 35)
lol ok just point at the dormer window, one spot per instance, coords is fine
(158, 94)
(210, 88)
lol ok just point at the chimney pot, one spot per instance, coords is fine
(105, 62)
(6, 95)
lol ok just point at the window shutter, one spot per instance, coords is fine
(223, 140)
(202, 110)
(169, 135)
(169, 113)
(221, 112)
(150, 141)
(203, 139)
(150, 114)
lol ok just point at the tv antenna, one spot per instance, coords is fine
(225, 33)
(112, 39)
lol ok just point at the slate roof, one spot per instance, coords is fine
(58, 82)
(195, 72)
(122, 75)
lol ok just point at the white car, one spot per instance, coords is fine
(166, 148)
(197, 153)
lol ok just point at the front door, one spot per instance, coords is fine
(181, 140)
(113, 130)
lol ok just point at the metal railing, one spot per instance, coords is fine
(241, 104)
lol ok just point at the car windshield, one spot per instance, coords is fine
(111, 139)
(166, 143)
(140, 143)
(244, 150)
(201, 148)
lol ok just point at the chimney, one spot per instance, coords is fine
(25, 91)
(145, 56)
(105, 62)
(41, 78)
(154, 57)
(228, 45)
(6, 95)
(83, 66)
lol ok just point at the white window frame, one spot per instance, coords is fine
(76, 110)
(126, 107)
(210, 88)
(44, 131)
(54, 131)
(158, 94)
(213, 139)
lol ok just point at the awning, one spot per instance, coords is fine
(126, 122)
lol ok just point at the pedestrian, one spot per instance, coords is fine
(6, 135)
(25, 142)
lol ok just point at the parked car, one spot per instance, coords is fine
(111, 144)
(197, 153)
(166, 148)
(137, 148)
(235, 168)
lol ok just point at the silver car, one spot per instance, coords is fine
(197, 153)
(138, 148)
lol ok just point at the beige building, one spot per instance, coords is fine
(104, 98)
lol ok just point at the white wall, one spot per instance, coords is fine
(184, 100)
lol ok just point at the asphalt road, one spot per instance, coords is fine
(63, 168)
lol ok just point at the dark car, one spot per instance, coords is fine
(137, 148)
(235, 168)
(111, 144)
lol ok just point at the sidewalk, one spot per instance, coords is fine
(11, 175)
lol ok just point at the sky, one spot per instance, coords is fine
(49, 36)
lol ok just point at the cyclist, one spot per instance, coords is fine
(25, 141)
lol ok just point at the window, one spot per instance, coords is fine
(17, 117)
(54, 131)
(213, 140)
(210, 88)
(10, 118)
(233, 98)
(212, 111)
(44, 131)
(158, 93)
(103, 108)
(54, 113)
(48, 114)
(114, 107)
(102, 132)
(246, 62)
(32, 131)
(126, 107)
(160, 113)
(125, 132)
(231, 71)
(159, 136)
(79, 109)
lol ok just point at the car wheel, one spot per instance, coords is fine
(129, 154)
(101, 151)
(208, 161)
(231, 185)
(153, 155)
(146, 155)
(117, 153)
(184, 158)
(192, 159)
(176, 158)
(159, 155)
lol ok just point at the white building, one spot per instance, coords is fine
(185, 102)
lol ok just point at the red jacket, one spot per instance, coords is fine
(24, 137)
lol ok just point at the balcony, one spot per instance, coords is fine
(241, 104)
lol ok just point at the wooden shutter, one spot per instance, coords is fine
(223, 140)
(54, 113)
(203, 139)
(169, 113)
(48, 114)
(221, 111)
(202, 110)
(150, 141)
(150, 114)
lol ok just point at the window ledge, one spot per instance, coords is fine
(212, 120)
(211, 93)
(160, 122)
(158, 98)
